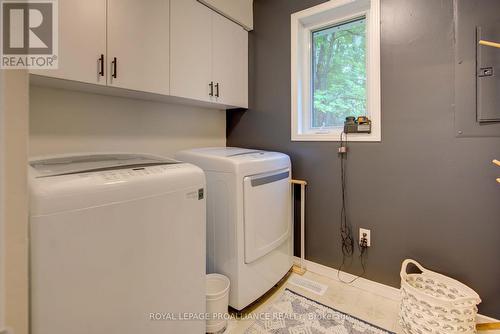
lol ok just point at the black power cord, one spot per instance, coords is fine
(345, 226)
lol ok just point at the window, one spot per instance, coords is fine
(335, 69)
(338, 73)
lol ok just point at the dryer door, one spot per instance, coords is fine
(267, 212)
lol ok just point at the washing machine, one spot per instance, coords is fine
(117, 245)
(248, 218)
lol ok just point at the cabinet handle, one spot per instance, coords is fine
(101, 65)
(114, 74)
(211, 85)
(217, 90)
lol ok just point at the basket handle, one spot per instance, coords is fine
(404, 274)
(404, 267)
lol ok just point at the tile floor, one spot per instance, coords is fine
(373, 308)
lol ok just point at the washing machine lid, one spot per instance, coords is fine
(235, 160)
(76, 182)
(224, 152)
(76, 164)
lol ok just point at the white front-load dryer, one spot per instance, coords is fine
(248, 218)
(117, 241)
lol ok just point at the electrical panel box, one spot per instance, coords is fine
(488, 74)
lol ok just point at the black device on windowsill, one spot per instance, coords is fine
(360, 124)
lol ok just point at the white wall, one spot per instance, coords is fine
(64, 121)
(14, 210)
(2, 223)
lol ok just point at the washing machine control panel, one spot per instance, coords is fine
(134, 172)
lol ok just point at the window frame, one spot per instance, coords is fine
(303, 24)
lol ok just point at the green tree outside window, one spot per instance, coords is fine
(339, 73)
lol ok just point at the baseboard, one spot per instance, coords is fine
(361, 283)
(365, 284)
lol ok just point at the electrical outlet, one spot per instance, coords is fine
(364, 233)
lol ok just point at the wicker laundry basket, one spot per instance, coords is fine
(434, 303)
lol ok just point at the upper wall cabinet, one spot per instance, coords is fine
(138, 45)
(82, 42)
(180, 50)
(121, 43)
(229, 61)
(191, 50)
(209, 55)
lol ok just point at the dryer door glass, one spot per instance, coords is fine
(267, 212)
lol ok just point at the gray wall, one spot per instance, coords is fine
(423, 192)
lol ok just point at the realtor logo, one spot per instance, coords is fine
(29, 34)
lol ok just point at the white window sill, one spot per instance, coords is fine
(335, 137)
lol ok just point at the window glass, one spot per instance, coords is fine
(338, 73)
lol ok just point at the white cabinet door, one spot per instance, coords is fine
(138, 45)
(230, 61)
(191, 50)
(82, 42)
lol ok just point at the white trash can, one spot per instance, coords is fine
(217, 295)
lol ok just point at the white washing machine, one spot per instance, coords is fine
(115, 240)
(248, 218)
